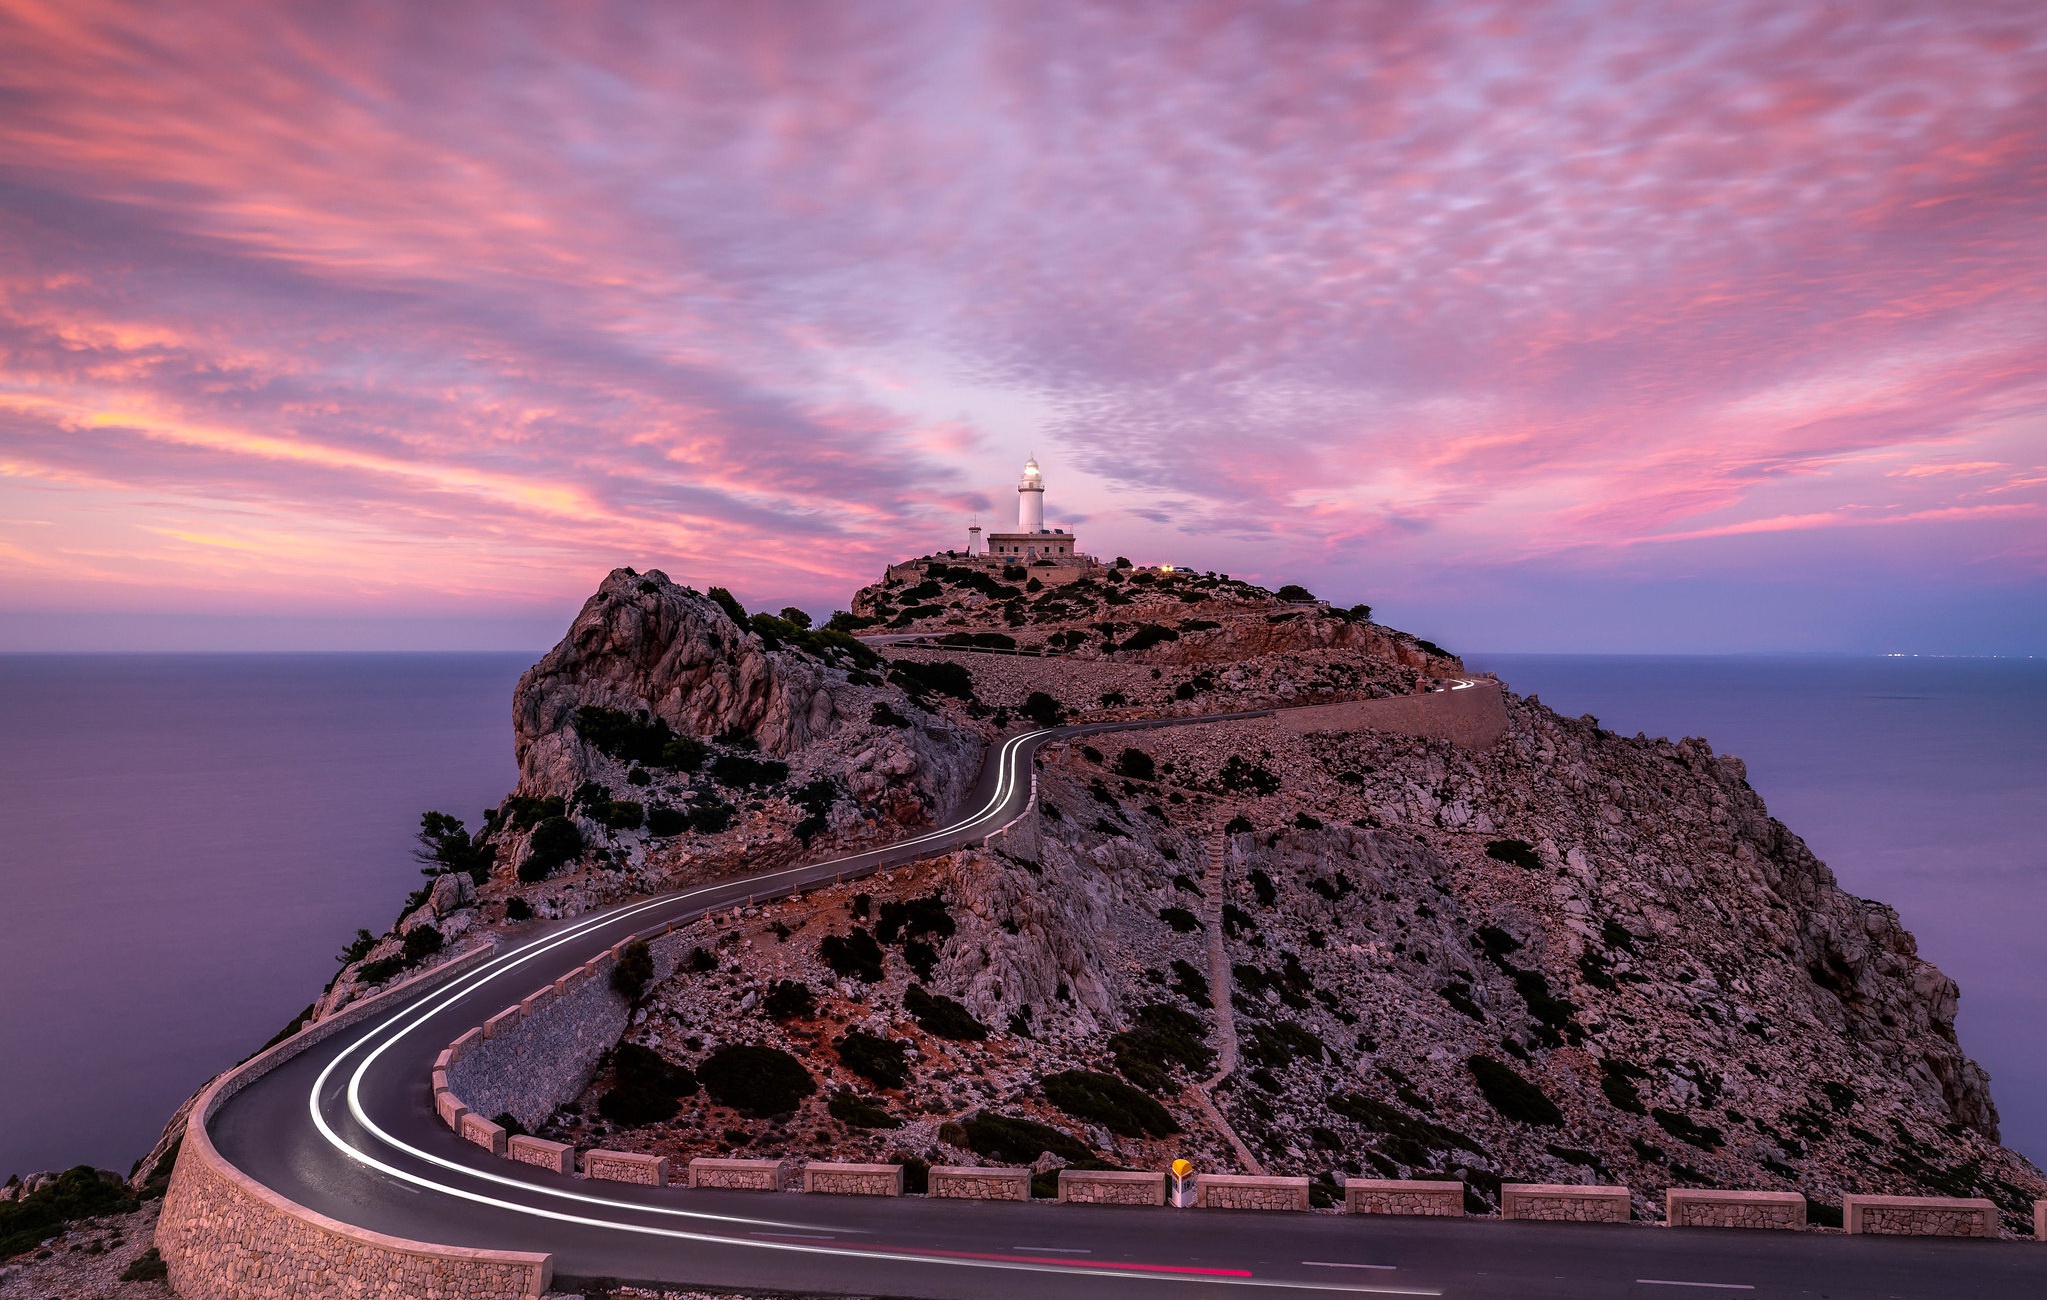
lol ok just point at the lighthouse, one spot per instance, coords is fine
(1030, 499)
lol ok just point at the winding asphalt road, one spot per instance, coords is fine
(347, 1129)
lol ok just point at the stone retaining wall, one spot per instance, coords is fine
(1109, 1187)
(1474, 716)
(1919, 1216)
(625, 1167)
(224, 1236)
(1250, 1192)
(1565, 1203)
(852, 1179)
(1697, 1207)
(1432, 1197)
(741, 1175)
(531, 1057)
(971, 1183)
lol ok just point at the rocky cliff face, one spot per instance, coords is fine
(1574, 957)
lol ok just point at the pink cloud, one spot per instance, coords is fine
(470, 298)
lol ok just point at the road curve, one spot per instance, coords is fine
(346, 1129)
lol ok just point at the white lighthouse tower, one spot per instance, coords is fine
(1030, 499)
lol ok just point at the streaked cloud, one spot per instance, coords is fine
(370, 307)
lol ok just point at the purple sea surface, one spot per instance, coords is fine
(189, 839)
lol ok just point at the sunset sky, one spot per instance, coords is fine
(1633, 327)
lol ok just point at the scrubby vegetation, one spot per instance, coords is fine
(755, 1080)
(78, 1193)
(1513, 1096)
(1106, 1100)
(647, 1086)
(883, 1062)
(940, 1015)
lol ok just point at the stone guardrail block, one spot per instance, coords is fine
(558, 1157)
(1698, 1207)
(1564, 1203)
(626, 1167)
(502, 1021)
(1436, 1198)
(530, 1005)
(972, 1183)
(450, 1109)
(1250, 1192)
(737, 1175)
(444, 1060)
(461, 1046)
(489, 1136)
(1111, 1187)
(1919, 1216)
(835, 1179)
(224, 1236)
(440, 1084)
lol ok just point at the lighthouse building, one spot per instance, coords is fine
(1051, 554)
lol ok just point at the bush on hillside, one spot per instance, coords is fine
(882, 1062)
(855, 1111)
(755, 1080)
(852, 956)
(1108, 1101)
(78, 1193)
(789, 1000)
(1513, 1096)
(555, 841)
(940, 1015)
(1519, 853)
(1014, 1140)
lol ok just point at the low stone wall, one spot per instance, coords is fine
(1250, 1192)
(1698, 1207)
(555, 1157)
(625, 1167)
(475, 1128)
(741, 1175)
(1919, 1216)
(1111, 1187)
(852, 1179)
(224, 1236)
(971, 1183)
(1473, 716)
(1432, 1197)
(1565, 1203)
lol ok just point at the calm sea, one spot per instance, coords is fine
(188, 841)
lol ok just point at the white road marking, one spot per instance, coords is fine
(1054, 1250)
(796, 1236)
(1324, 1263)
(1709, 1286)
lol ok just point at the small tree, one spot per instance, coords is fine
(726, 601)
(635, 970)
(796, 616)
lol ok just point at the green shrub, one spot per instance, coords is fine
(1148, 635)
(664, 821)
(358, 948)
(1278, 1043)
(916, 918)
(445, 845)
(1238, 825)
(77, 1193)
(1294, 591)
(1014, 1140)
(1241, 777)
(621, 814)
(684, 753)
(852, 956)
(1042, 709)
(1513, 1096)
(1136, 764)
(881, 715)
(1685, 1129)
(1110, 1102)
(421, 942)
(146, 1267)
(710, 815)
(1617, 1081)
(882, 1062)
(634, 970)
(377, 972)
(1160, 1037)
(936, 678)
(755, 1080)
(789, 1000)
(741, 771)
(555, 841)
(726, 601)
(1262, 886)
(856, 1111)
(1519, 853)
(940, 1015)
(524, 812)
(1191, 984)
(1182, 920)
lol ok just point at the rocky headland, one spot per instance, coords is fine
(1564, 956)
